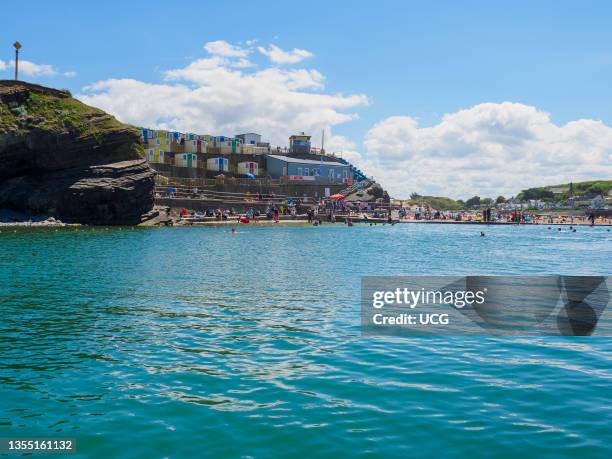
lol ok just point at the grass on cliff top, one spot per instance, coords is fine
(57, 113)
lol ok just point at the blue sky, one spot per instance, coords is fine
(415, 59)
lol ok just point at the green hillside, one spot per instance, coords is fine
(546, 193)
(436, 202)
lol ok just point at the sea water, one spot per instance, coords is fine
(193, 342)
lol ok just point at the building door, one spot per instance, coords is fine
(189, 160)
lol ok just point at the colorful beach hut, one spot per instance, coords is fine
(217, 164)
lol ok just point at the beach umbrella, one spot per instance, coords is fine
(337, 196)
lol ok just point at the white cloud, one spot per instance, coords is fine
(242, 64)
(225, 49)
(279, 56)
(31, 69)
(216, 95)
(488, 149)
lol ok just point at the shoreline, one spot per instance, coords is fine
(179, 224)
(446, 222)
(340, 221)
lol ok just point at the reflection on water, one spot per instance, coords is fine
(191, 342)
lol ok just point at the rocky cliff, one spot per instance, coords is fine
(62, 158)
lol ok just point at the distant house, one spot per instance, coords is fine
(559, 189)
(295, 169)
(299, 143)
(581, 201)
(250, 138)
(597, 201)
(512, 204)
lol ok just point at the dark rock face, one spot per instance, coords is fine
(110, 194)
(61, 158)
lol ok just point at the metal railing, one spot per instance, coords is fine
(163, 180)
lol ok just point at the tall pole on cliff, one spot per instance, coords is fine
(17, 45)
(322, 140)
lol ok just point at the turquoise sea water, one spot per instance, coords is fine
(191, 342)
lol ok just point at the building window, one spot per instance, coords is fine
(299, 169)
(331, 173)
(306, 171)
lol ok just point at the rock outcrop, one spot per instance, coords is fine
(62, 158)
(372, 193)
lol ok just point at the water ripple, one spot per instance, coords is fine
(146, 340)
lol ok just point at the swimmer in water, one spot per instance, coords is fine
(234, 231)
(482, 234)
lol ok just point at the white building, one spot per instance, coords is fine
(250, 138)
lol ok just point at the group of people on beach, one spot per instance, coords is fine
(330, 210)
(489, 216)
